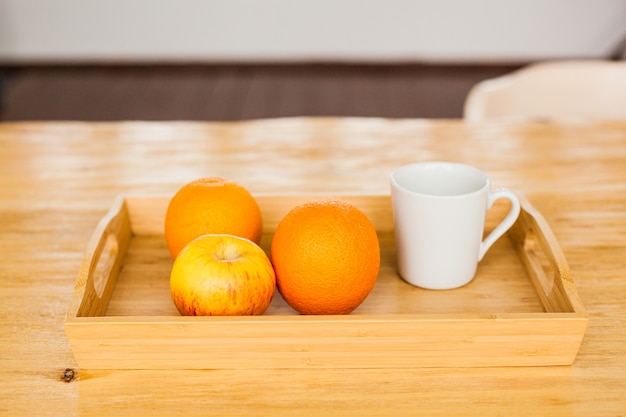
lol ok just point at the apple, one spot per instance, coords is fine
(222, 275)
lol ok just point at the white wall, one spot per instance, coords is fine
(308, 30)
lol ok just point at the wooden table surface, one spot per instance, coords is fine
(58, 179)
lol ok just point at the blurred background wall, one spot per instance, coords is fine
(443, 31)
(241, 59)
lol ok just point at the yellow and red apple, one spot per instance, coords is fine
(222, 275)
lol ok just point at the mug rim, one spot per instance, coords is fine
(426, 164)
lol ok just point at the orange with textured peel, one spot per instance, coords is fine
(211, 206)
(326, 257)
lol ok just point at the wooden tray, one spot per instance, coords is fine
(521, 309)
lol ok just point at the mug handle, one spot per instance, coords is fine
(505, 224)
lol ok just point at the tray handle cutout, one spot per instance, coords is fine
(544, 261)
(100, 269)
(105, 263)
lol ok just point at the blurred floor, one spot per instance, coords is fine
(235, 92)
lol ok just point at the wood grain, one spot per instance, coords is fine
(58, 179)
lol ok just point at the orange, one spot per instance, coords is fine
(326, 257)
(211, 206)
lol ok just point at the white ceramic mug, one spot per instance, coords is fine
(439, 211)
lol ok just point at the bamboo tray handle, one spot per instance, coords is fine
(100, 269)
(544, 261)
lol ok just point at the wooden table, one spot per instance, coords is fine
(58, 179)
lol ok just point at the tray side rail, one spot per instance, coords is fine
(536, 245)
(366, 342)
(102, 262)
